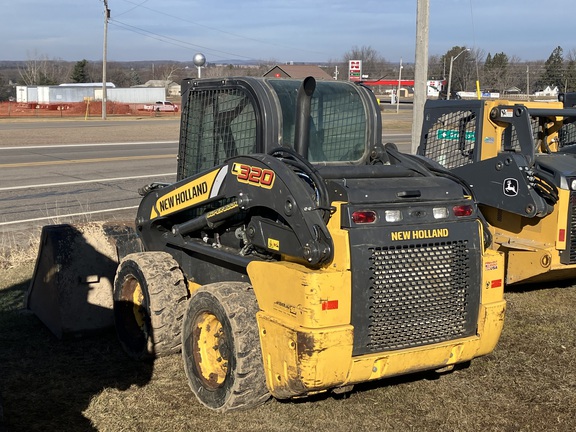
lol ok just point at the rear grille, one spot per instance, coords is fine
(571, 252)
(418, 295)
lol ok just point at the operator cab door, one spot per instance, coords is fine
(217, 124)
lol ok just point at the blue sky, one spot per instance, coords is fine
(280, 30)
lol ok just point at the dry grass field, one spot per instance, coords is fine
(527, 384)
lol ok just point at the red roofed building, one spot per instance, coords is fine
(298, 72)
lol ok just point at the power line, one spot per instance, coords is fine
(131, 9)
(197, 24)
(171, 40)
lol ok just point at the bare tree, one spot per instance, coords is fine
(33, 71)
(373, 64)
(465, 67)
(40, 70)
(167, 72)
(570, 71)
(436, 67)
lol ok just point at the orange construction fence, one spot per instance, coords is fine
(75, 109)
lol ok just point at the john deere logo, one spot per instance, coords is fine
(510, 187)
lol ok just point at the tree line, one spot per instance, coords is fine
(495, 71)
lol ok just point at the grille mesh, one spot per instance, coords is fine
(418, 295)
(572, 228)
(450, 141)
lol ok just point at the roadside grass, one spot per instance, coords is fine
(88, 384)
(397, 123)
(17, 248)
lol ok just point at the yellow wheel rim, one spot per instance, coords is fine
(133, 286)
(210, 350)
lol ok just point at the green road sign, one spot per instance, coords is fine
(448, 134)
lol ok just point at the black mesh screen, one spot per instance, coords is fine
(450, 141)
(513, 143)
(567, 135)
(571, 246)
(338, 124)
(219, 124)
(419, 295)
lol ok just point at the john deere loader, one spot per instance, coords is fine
(519, 160)
(296, 254)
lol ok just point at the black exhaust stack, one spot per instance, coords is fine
(303, 108)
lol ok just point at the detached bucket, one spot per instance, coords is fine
(71, 289)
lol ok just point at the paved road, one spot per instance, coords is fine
(71, 171)
(77, 171)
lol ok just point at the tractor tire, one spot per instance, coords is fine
(221, 347)
(150, 295)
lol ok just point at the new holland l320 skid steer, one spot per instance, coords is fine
(296, 254)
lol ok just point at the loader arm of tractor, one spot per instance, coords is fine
(492, 147)
(278, 206)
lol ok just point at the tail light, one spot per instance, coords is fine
(463, 210)
(364, 216)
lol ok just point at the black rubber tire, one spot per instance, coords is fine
(149, 327)
(232, 306)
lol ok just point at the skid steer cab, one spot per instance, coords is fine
(296, 254)
(519, 159)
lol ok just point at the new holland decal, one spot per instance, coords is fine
(420, 234)
(187, 195)
(253, 175)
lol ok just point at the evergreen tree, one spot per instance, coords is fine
(79, 73)
(496, 72)
(135, 78)
(553, 70)
(570, 77)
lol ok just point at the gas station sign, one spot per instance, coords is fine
(355, 70)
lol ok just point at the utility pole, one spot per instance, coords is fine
(450, 73)
(420, 71)
(527, 82)
(398, 91)
(104, 52)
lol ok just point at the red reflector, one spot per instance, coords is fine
(329, 304)
(496, 283)
(364, 216)
(462, 210)
(562, 235)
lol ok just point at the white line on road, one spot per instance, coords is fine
(89, 145)
(83, 181)
(66, 215)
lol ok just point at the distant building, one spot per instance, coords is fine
(172, 88)
(298, 72)
(513, 90)
(548, 91)
(80, 92)
(63, 93)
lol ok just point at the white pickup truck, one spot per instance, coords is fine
(161, 106)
